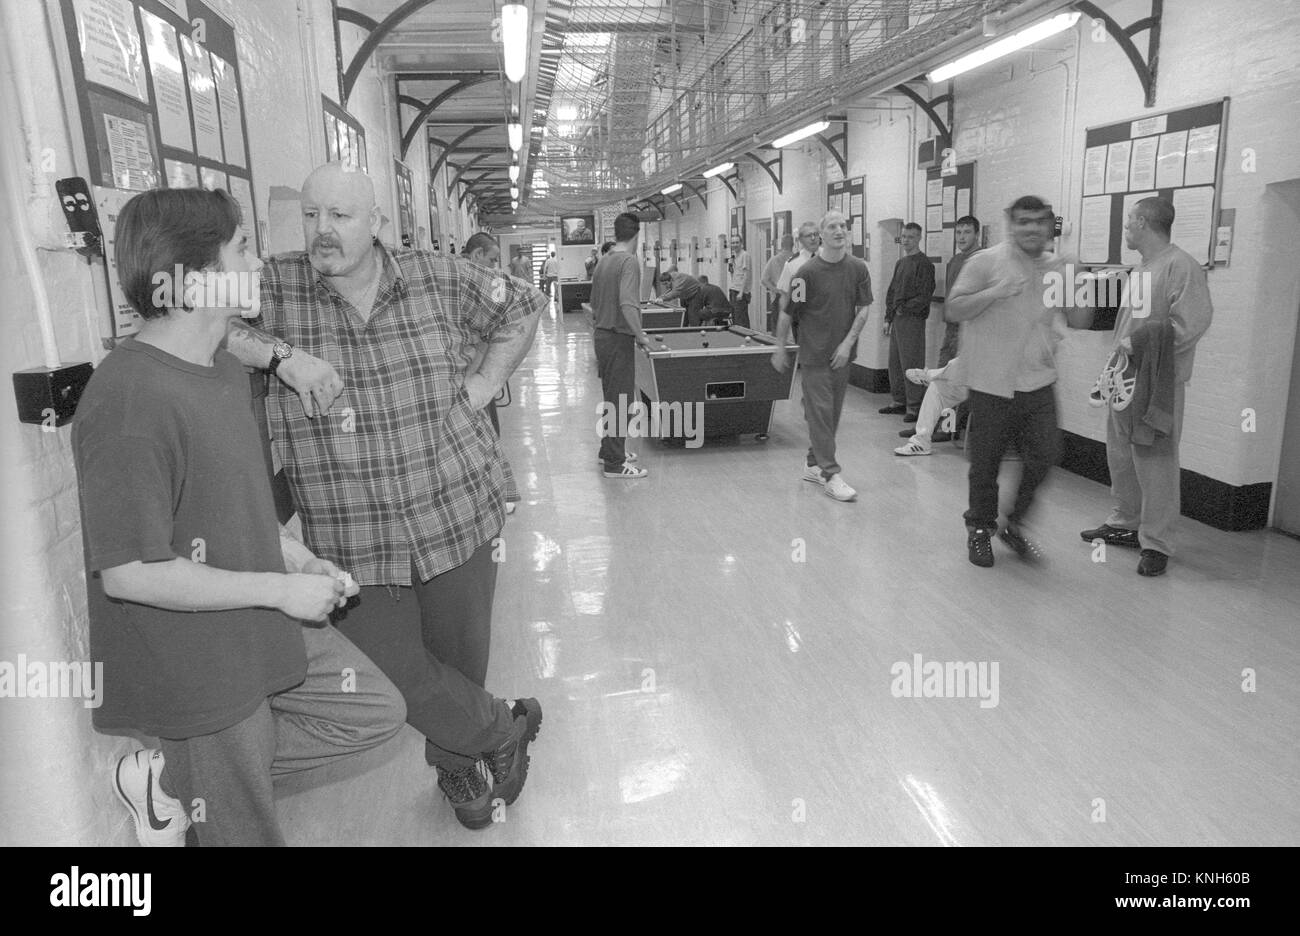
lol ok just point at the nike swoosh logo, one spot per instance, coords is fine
(154, 822)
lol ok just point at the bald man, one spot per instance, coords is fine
(394, 468)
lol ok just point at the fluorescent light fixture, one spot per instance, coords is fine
(675, 187)
(514, 40)
(798, 135)
(1013, 42)
(514, 173)
(718, 170)
(566, 112)
(514, 192)
(514, 206)
(515, 132)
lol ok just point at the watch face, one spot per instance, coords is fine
(282, 350)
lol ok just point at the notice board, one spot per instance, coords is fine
(161, 105)
(1177, 154)
(947, 198)
(848, 197)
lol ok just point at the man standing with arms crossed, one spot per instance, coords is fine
(1145, 478)
(403, 483)
(740, 282)
(907, 306)
(829, 298)
(616, 309)
(1008, 351)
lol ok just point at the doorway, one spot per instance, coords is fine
(1282, 219)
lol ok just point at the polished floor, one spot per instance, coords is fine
(702, 685)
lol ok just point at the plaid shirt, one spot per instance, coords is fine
(401, 468)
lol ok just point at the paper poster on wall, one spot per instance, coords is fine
(203, 99)
(1094, 230)
(857, 230)
(1202, 155)
(130, 154)
(949, 204)
(855, 203)
(168, 81)
(232, 130)
(1094, 170)
(934, 217)
(1142, 175)
(1126, 256)
(212, 179)
(1193, 221)
(242, 192)
(1117, 160)
(1169, 163)
(331, 138)
(345, 153)
(111, 52)
(963, 202)
(108, 203)
(181, 174)
(933, 191)
(938, 244)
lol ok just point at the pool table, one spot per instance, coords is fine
(652, 316)
(727, 368)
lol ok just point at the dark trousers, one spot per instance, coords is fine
(431, 639)
(906, 350)
(739, 307)
(694, 311)
(773, 312)
(1027, 421)
(616, 364)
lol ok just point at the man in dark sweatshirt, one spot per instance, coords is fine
(907, 306)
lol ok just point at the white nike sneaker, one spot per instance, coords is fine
(160, 820)
(813, 473)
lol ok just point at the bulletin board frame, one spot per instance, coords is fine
(345, 137)
(951, 204)
(848, 197)
(122, 100)
(1153, 155)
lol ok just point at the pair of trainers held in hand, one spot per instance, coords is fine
(1115, 383)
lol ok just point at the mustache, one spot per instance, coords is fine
(325, 242)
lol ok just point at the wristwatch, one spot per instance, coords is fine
(281, 351)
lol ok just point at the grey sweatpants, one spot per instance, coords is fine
(906, 350)
(343, 707)
(823, 401)
(1145, 479)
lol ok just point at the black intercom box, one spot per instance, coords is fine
(45, 392)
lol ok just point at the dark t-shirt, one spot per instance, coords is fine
(616, 284)
(712, 297)
(170, 463)
(831, 295)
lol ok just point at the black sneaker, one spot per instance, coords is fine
(940, 436)
(508, 764)
(1152, 563)
(1112, 536)
(468, 792)
(979, 546)
(906, 433)
(1025, 548)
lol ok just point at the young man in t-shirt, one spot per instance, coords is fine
(616, 309)
(829, 296)
(197, 597)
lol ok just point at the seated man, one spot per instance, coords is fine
(197, 601)
(945, 388)
(715, 306)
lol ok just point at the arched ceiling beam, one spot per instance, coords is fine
(450, 148)
(433, 105)
(375, 36)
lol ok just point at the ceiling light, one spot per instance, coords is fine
(515, 132)
(514, 173)
(514, 206)
(514, 40)
(798, 135)
(675, 187)
(718, 170)
(514, 192)
(1015, 41)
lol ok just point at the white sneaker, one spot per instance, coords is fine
(626, 472)
(160, 820)
(918, 375)
(837, 489)
(913, 447)
(627, 457)
(510, 507)
(813, 473)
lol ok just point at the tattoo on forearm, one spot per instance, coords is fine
(251, 346)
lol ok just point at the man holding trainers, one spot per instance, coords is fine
(1144, 469)
(829, 299)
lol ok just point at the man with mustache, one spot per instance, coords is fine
(401, 481)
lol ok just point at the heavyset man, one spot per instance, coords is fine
(829, 298)
(402, 483)
(1142, 450)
